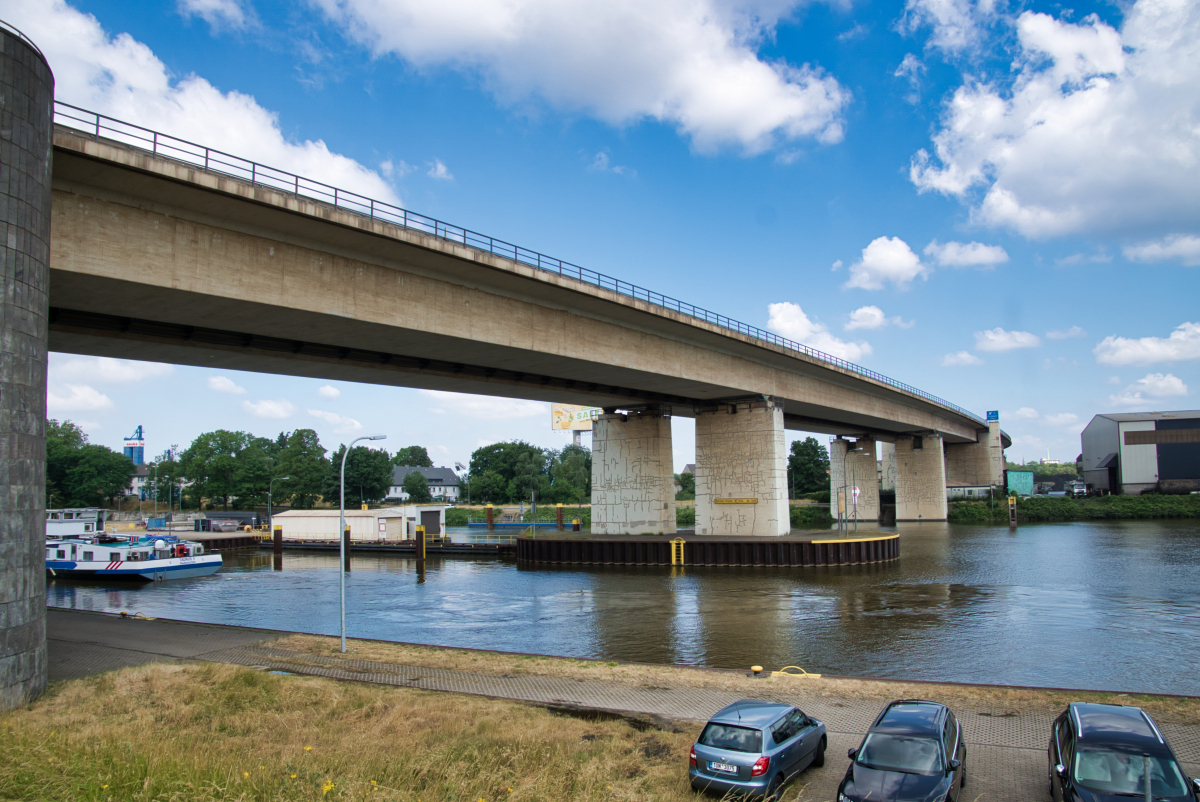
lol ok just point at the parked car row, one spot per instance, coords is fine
(915, 752)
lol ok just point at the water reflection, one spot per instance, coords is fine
(1101, 605)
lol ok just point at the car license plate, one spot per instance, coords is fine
(725, 767)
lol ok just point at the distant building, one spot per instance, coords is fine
(1130, 452)
(387, 524)
(135, 447)
(443, 483)
(138, 482)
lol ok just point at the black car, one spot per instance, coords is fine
(1100, 753)
(914, 752)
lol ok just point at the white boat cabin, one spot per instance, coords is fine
(111, 550)
(78, 522)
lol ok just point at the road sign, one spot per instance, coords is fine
(993, 415)
(855, 491)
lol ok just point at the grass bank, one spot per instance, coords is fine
(212, 732)
(1068, 509)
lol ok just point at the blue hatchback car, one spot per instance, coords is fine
(754, 748)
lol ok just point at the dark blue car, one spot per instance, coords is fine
(1106, 753)
(753, 748)
(914, 752)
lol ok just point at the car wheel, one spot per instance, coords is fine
(819, 758)
(772, 794)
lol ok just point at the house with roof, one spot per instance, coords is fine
(1130, 452)
(443, 483)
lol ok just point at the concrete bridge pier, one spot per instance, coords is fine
(741, 469)
(26, 108)
(980, 463)
(854, 468)
(633, 478)
(920, 478)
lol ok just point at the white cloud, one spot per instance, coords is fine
(107, 369)
(1061, 419)
(328, 391)
(872, 317)
(79, 397)
(438, 171)
(788, 320)
(1182, 344)
(602, 164)
(954, 22)
(122, 77)
(340, 423)
(689, 63)
(1177, 246)
(1150, 388)
(484, 407)
(1114, 379)
(998, 339)
(886, 259)
(223, 384)
(912, 70)
(217, 13)
(1026, 413)
(1069, 334)
(960, 359)
(271, 410)
(1095, 130)
(1100, 256)
(836, 266)
(966, 254)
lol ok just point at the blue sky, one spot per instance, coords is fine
(995, 202)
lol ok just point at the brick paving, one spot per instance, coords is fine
(1006, 749)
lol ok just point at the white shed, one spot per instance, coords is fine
(386, 524)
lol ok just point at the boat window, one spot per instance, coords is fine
(114, 556)
(68, 515)
(62, 554)
(87, 556)
(87, 527)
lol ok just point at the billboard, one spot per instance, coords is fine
(571, 417)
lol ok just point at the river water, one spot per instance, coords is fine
(1108, 606)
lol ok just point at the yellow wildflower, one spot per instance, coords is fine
(329, 786)
(103, 787)
(308, 749)
(245, 774)
(293, 776)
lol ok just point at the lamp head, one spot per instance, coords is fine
(377, 437)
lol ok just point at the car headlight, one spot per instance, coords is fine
(842, 797)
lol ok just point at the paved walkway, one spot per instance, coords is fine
(1006, 749)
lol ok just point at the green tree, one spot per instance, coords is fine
(415, 456)
(211, 464)
(256, 466)
(490, 488)
(570, 475)
(165, 477)
(303, 459)
(808, 466)
(503, 458)
(98, 474)
(687, 486)
(63, 443)
(368, 475)
(417, 487)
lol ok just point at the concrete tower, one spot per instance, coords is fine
(26, 122)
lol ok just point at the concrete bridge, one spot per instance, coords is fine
(169, 251)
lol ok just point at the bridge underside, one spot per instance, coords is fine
(159, 261)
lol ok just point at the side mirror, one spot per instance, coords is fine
(852, 753)
(955, 764)
(1196, 787)
(1061, 771)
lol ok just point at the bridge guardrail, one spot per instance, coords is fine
(212, 160)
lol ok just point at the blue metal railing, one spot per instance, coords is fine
(100, 126)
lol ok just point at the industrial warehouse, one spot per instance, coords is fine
(1135, 452)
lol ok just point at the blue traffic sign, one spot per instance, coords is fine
(994, 415)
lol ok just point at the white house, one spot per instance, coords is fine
(443, 483)
(387, 524)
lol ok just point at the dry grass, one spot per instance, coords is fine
(209, 732)
(1166, 709)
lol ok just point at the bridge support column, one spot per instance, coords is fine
(741, 470)
(920, 478)
(887, 460)
(856, 468)
(26, 97)
(980, 463)
(633, 480)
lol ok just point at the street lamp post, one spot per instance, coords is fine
(270, 516)
(342, 527)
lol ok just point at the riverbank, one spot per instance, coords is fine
(1068, 509)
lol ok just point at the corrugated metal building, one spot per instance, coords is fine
(1130, 452)
(388, 523)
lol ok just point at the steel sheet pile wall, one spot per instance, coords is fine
(789, 553)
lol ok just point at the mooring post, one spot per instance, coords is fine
(1012, 512)
(420, 542)
(558, 516)
(346, 549)
(576, 524)
(491, 521)
(277, 548)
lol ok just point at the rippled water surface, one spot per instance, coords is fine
(1111, 605)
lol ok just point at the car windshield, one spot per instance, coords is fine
(728, 736)
(1123, 772)
(913, 754)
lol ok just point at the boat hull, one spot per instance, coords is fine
(147, 571)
